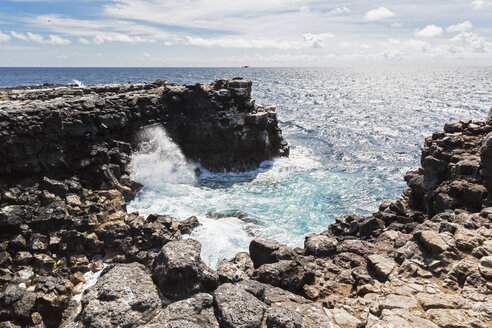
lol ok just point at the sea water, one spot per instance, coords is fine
(353, 133)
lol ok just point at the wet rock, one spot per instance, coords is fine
(320, 245)
(264, 251)
(236, 308)
(187, 226)
(179, 271)
(124, 296)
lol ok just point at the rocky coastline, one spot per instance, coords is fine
(422, 260)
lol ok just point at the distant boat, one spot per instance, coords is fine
(245, 66)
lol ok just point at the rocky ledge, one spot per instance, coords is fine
(423, 260)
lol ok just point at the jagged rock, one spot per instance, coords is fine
(431, 241)
(370, 225)
(264, 251)
(320, 245)
(179, 271)
(187, 226)
(239, 268)
(196, 311)
(382, 265)
(236, 308)
(485, 267)
(124, 296)
(486, 160)
(280, 317)
(289, 274)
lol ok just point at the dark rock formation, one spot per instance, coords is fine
(64, 182)
(90, 132)
(179, 271)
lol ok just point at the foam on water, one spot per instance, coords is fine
(272, 195)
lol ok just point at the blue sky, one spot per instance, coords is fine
(244, 32)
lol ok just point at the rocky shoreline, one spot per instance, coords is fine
(423, 260)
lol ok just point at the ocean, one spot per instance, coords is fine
(353, 133)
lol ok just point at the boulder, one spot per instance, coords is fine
(289, 274)
(382, 265)
(264, 250)
(187, 226)
(179, 271)
(236, 308)
(431, 241)
(280, 317)
(196, 311)
(124, 296)
(485, 267)
(236, 269)
(320, 245)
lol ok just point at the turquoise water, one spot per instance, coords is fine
(353, 132)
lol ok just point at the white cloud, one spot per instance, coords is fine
(316, 40)
(119, 37)
(378, 14)
(38, 38)
(4, 37)
(61, 57)
(472, 40)
(146, 54)
(57, 40)
(19, 36)
(429, 31)
(481, 4)
(394, 41)
(242, 43)
(416, 46)
(392, 54)
(461, 27)
(340, 10)
(84, 41)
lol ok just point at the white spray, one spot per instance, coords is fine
(160, 161)
(78, 83)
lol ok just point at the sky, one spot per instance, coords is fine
(234, 33)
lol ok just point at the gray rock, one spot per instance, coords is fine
(124, 296)
(382, 265)
(236, 308)
(431, 241)
(196, 311)
(289, 274)
(485, 267)
(237, 269)
(280, 317)
(264, 250)
(179, 271)
(320, 245)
